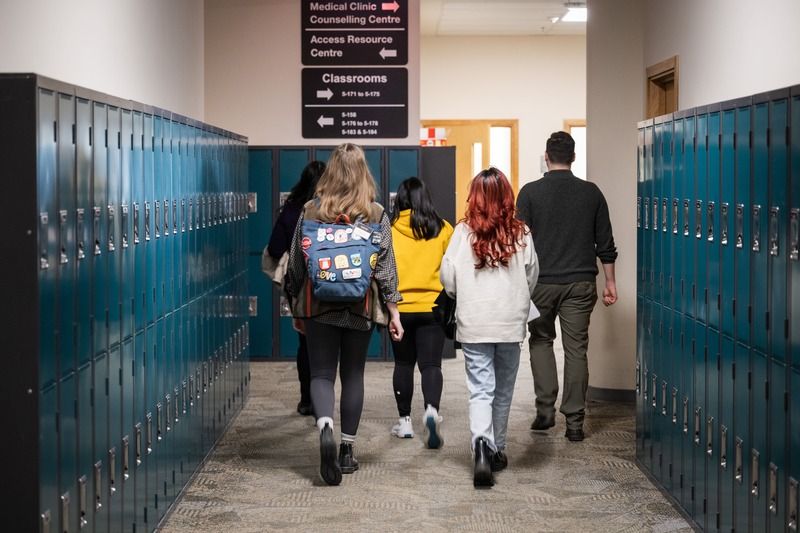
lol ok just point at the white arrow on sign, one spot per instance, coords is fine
(327, 94)
(393, 6)
(384, 53)
(324, 121)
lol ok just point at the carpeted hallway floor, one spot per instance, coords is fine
(263, 476)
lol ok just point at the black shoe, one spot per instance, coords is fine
(574, 435)
(542, 423)
(347, 460)
(499, 461)
(305, 409)
(329, 464)
(483, 470)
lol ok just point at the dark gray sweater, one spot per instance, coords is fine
(570, 225)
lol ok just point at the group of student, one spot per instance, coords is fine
(488, 263)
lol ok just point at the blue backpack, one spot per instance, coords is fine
(340, 258)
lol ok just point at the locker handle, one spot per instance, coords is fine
(147, 221)
(156, 219)
(65, 512)
(197, 384)
(112, 467)
(710, 222)
(674, 405)
(723, 447)
(754, 473)
(697, 426)
(111, 229)
(135, 223)
(793, 504)
(183, 397)
(98, 492)
(738, 461)
(698, 219)
(79, 216)
(647, 213)
(125, 457)
(202, 204)
(654, 388)
(138, 443)
(96, 229)
(168, 404)
(177, 405)
(174, 217)
(723, 230)
(655, 214)
(664, 207)
(774, 237)
(165, 225)
(191, 214)
(663, 398)
(159, 422)
(686, 218)
(710, 436)
(183, 215)
(756, 244)
(124, 222)
(773, 489)
(686, 415)
(740, 225)
(675, 216)
(82, 501)
(148, 438)
(44, 262)
(62, 236)
(794, 234)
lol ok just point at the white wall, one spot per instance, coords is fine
(145, 50)
(726, 48)
(253, 68)
(539, 80)
(615, 100)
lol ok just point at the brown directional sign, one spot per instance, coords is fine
(339, 32)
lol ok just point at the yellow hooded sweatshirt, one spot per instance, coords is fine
(418, 264)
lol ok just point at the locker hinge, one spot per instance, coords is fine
(252, 306)
(692, 492)
(749, 314)
(252, 202)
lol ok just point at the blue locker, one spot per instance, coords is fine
(127, 440)
(262, 286)
(667, 193)
(168, 443)
(777, 227)
(85, 504)
(127, 281)
(138, 464)
(726, 218)
(700, 353)
(48, 457)
(137, 222)
(676, 231)
(150, 436)
(155, 214)
(115, 482)
(741, 221)
(794, 235)
(666, 404)
(726, 433)
(775, 484)
(742, 440)
(100, 229)
(65, 224)
(712, 214)
(68, 451)
(793, 504)
(260, 222)
(759, 267)
(162, 218)
(640, 175)
(83, 213)
(146, 235)
(48, 239)
(158, 492)
(675, 408)
(758, 454)
(712, 429)
(647, 394)
(688, 286)
(701, 252)
(686, 401)
(113, 215)
(660, 357)
(655, 220)
(178, 152)
(100, 471)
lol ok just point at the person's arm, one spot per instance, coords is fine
(296, 267)
(385, 271)
(606, 250)
(610, 290)
(531, 265)
(281, 237)
(447, 270)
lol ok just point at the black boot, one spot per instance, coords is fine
(499, 461)
(483, 470)
(329, 465)
(347, 460)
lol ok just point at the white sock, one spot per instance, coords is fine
(321, 421)
(348, 438)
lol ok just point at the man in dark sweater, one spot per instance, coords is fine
(571, 229)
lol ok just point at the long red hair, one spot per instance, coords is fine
(491, 215)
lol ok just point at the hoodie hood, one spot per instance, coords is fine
(403, 224)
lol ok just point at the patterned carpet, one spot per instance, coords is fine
(264, 474)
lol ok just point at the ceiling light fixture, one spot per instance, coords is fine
(554, 19)
(575, 12)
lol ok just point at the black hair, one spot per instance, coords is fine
(425, 221)
(561, 148)
(303, 190)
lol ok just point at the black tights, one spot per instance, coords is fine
(327, 346)
(422, 344)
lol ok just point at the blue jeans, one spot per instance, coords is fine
(491, 375)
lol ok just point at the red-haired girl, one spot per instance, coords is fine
(491, 268)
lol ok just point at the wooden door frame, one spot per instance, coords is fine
(512, 123)
(570, 123)
(656, 74)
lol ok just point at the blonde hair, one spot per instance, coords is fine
(346, 186)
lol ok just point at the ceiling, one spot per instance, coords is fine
(504, 17)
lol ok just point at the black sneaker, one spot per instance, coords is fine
(542, 423)
(499, 461)
(329, 468)
(482, 477)
(574, 435)
(347, 460)
(305, 409)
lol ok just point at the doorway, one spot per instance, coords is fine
(662, 87)
(480, 144)
(577, 128)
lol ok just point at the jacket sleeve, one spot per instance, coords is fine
(605, 248)
(296, 269)
(386, 268)
(531, 264)
(281, 238)
(447, 271)
(523, 209)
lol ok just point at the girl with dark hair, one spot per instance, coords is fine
(279, 243)
(491, 267)
(420, 237)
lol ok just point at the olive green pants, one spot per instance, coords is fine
(572, 303)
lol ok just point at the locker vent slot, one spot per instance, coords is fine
(723, 230)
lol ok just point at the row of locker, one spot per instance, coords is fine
(718, 424)
(718, 217)
(128, 330)
(273, 171)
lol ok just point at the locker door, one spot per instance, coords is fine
(647, 388)
(65, 224)
(146, 236)
(686, 401)
(178, 153)
(48, 245)
(100, 472)
(676, 231)
(699, 423)
(668, 400)
(794, 234)
(793, 504)
(162, 215)
(68, 452)
(85, 504)
(83, 213)
(158, 492)
(113, 216)
(711, 441)
(726, 217)
(137, 223)
(114, 457)
(260, 227)
(742, 441)
(48, 458)
(656, 377)
(126, 235)
(726, 433)
(689, 288)
(655, 219)
(712, 215)
(641, 400)
(741, 222)
(758, 454)
(667, 193)
(151, 449)
(138, 465)
(777, 228)
(127, 440)
(100, 228)
(758, 218)
(775, 484)
(639, 214)
(700, 223)
(647, 237)
(155, 218)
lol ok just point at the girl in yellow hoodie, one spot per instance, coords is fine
(419, 237)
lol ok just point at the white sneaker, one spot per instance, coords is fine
(403, 429)
(433, 429)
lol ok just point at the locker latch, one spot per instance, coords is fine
(710, 436)
(174, 216)
(98, 485)
(111, 229)
(794, 495)
(674, 216)
(663, 398)
(125, 457)
(124, 221)
(738, 473)
(148, 433)
(147, 221)
(96, 229)
(44, 262)
(674, 405)
(710, 222)
(740, 225)
(774, 232)
(62, 237)
(135, 223)
(723, 447)
(82, 502)
(756, 244)
(168, 406)
(79, 216)
(177, 405)
(686, 218)
(773, 489)
(138, 443)
(252, 202)
(697, 426)
(65, 511)
(159, 422)
(794, 234)
(45, 521)
(723, 230)
(190, 214)
(698, 219)
(252, 306)
(165, 225)
(183, 215)
(754, 473)
(664, 221)
(156, 215)
(655, 214)
(685, 415)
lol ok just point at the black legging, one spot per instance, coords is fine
(422, 344)
(327, 345)
(303, 371)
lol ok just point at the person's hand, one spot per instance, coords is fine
(299, 326)
(395, 327)
(610, 293)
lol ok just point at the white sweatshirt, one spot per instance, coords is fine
(492, 304)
